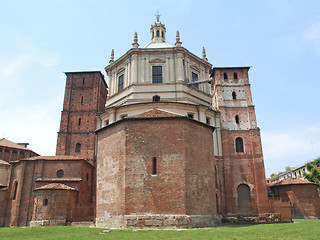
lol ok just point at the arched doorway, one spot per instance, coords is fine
(244, 199)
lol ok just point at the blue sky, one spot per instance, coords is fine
(280, 39)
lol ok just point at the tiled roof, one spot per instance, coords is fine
(154, 113)
(4, 162)
(56, 186)
(58, 157)
(6, 143)
(292, 181)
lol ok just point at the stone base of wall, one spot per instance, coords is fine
(43, 223)
(184, 221)
(159, 221)
(261, 218)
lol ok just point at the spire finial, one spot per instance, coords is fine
(135, 43)
(158, 16)
(178, 43)
(204, 55)
(112, 56)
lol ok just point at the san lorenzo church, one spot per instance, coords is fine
(169, 141)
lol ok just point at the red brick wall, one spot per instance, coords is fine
(33, 174)
(304, 199)
(244, 168)
(111, 156)
(185, 168)
(239, 168)
(85, 95)
(60, 204)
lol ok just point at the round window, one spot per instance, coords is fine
(60, 173)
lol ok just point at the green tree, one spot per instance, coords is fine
(314, 171)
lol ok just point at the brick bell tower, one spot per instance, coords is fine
(85, 96)
(244, 174)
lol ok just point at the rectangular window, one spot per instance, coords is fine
(120, 82)
(194, 79)
(156, 74)
(154, 166)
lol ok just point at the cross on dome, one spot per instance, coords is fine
(158, 16)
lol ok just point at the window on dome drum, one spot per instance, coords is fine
(194, 79)
(154, 166)
(79, 121)
(237, 119)
(225, 76)
(235, 75)
(239, 145)
(156, 74)
(82, 81)
(120, 82)
(45, 202)
(60, 173)
(78, 147)
(81, 100)
(234, 95)
(156, 98)
(208, 120)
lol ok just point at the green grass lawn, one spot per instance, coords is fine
(300, 229)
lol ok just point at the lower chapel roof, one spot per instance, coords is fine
(292, 181)
(56, 186)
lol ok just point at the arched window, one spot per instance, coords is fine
(87, 176)
(79, 121)
(14, 155)
(154, 166)
(120, 82)
(81, 100)
(78, 147)
(162, 34)
(237, 119)
(158, 33)
(235, 75)
(15, 189)
(239, 145)
(225, 76)
(45, 202)
(244, 198)
(156, 98)
(234, 95)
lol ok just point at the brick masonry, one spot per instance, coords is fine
(185, 168)
(85, 96)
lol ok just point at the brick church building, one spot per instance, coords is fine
(170, 141)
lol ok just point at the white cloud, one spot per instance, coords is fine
(312, 34)
(284, 148)
(16, 65)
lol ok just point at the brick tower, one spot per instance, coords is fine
(85, 96)
(245, 189)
